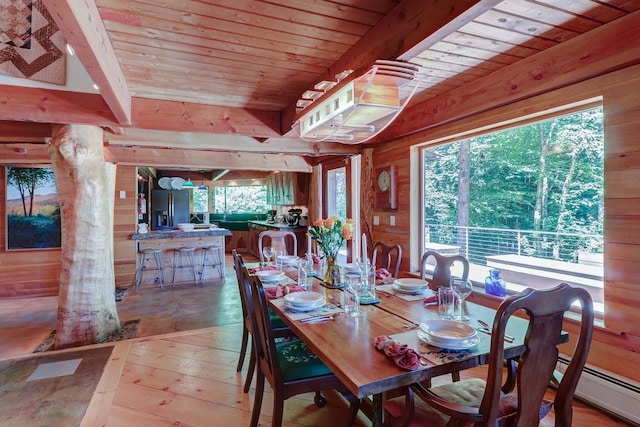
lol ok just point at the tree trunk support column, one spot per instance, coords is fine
(85, 183)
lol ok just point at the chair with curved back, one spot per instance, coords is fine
(493, 402)
(290, 366)
(441, 275)
(384, 260)
(278, 241)
(280, 329)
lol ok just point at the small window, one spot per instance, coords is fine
(201, 199)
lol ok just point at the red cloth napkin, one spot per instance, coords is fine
(432, 300)
(266, 267)
(403, 356)
(382, 273)
(316, 258)
(279, 291)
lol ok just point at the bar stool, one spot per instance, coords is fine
(177, 253)
(216, 258)
(142, 257)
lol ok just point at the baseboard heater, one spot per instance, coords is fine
(607, 391)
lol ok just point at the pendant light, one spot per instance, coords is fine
(188, 183)
(202, 186)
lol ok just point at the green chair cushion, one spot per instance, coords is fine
(297, 361)
(276, 321)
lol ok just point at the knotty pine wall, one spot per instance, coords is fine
(619, 341)
(31, 273)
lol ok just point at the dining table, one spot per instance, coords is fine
(346, 344)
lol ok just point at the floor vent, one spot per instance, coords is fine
(610, 392)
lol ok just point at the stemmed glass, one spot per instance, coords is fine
(462, 288)
(268, 253)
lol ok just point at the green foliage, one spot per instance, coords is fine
(38, 231)
(240, 199)
(505, 168)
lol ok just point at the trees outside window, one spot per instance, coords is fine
(240, 199)
(545, 178)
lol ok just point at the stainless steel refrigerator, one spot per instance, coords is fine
(169, 208)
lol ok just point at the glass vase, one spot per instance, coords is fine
(494, 284)
(331, 271)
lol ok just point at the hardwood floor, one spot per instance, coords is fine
(181, 368)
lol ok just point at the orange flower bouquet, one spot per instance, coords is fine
(330, 234)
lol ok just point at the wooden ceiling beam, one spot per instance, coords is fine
(24, 153)
(200, 159)
(411, 27)
(191, 117)
(24, 104)
(24, 132)
(82, 26)
(222, 142)
(551, 69)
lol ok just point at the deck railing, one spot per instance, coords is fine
(477, 243)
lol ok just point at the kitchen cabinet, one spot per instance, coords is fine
(288, 188)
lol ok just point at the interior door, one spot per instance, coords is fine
(336, 182)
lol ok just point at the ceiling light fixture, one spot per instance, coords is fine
(359, 105)
(188, 184)
(202, 186)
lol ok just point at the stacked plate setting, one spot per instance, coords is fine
(410, 286)
(268, 277)
(448, 334)
(290, 260)
(304, 301)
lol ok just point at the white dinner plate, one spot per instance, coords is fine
(176, 183)
(270, 276)
(352, 268)
(459, 345)
(165, 182)
(447, 330)
(414, 291)
(410, 284)
(303, 299)
(305, 308)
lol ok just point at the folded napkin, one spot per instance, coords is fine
(316, 258)
(432, 300)
(382, 273)
(281, 290)
(266, 267)
(403, 356)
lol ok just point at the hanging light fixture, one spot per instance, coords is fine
(359, 105)
(188, 183)
(202, 186)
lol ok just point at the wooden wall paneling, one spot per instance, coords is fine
(367, 194)
(124, 224)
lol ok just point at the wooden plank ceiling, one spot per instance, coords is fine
(236, 67)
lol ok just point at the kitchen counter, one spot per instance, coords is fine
(278, 226)
(177, 234)
(172, 265)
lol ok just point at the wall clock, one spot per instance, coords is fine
(386, 188)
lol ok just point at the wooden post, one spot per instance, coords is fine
(85, 183)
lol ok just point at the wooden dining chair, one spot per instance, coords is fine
(389, 257)
(493, 402)
(441, 274)
(290, 367)
(280, 329)
(277, 239)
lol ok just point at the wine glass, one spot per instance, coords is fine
(462, 288)
(268, 253)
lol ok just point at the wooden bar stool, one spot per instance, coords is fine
(177, 254)
(143, 255)
(216, 260)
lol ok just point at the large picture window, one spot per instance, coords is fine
(528, 201)
(33, 211)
